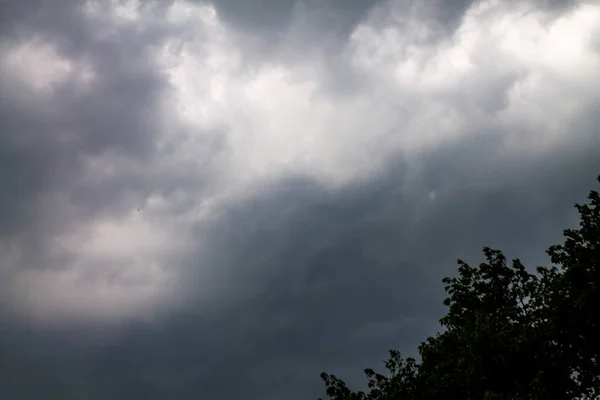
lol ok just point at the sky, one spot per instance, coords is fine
(222, 199)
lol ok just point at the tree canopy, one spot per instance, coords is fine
(509, 333)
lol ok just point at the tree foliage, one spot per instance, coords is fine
(509, 333)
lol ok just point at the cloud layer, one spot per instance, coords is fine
(199, 197)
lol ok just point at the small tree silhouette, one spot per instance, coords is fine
(509, 333)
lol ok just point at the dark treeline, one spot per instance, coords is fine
(509, 333)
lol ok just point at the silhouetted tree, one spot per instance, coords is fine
(509, 333)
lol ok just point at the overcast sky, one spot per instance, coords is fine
(222, 199)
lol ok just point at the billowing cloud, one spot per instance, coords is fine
(196, 193)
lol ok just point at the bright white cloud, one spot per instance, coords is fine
(36, 64)
(110, 270)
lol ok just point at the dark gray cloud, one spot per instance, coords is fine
(350, 288)
(309, 269)
(272, 18)
(44, 139)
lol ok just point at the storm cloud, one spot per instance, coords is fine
(216, 199)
